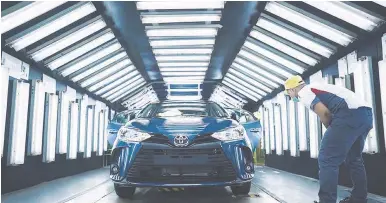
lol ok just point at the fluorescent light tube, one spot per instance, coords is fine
(125, 90)
(242, 82)
(183, 58)
(35, 121)
(96, 127)
(90, 127)
(68, 40)
(183, 51)
(295, 37)
(105, 130)
(62, 129)
(181, 42)
(50, 123)
(101, 133)
(183, 73)
(179, 69)
(183, 64)
(18, 123)
(82, 123)
(126, 84)
(169, 5)
(107, 72)
(240, 86)
(186, 32)
(98, 66)
(240, 91)
(53, 26)
(116, 82)
(27, 13)
(80, 51)
(309, 23)
(4, 81)
(241, 76)
(114, 77)
(87, 61)
(177, 18)
(187, 78)
(73, 132)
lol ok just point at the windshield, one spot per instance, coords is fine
(187, 109)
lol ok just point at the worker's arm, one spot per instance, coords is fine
(324, 114)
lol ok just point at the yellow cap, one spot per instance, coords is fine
(293, 82)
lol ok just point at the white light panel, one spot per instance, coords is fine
(182, 51)
(348, 13)
(4, 81)
(314, 126)
(82, 123)
(178, 18)
(68, 40)
(51, 27)
(98, 66)
(18, 123)
(90, 128)
(309, 23)
(245, 84)
(62, 129)
(80, 51)
(272, 56)
(87, 61)
(284, 48)
(186, 78)
(183, 58)
(106, 119)
(293, 126)
(183, 64)
(234, 71)
(113, 77)
(241, 91)
(27, 13)
(186, 32)
(116, 82)
(127, 89)
(302, 128)
(267, 133)
(382, 3)
(136, 79)
(96, 127)
(73, 133)
(181, 42)
(268, 76)
(101, 133)
(284, 121)
(170, 5)
(294, 37)
(179, 69)
(272, 135)
(35, 121)
(50, 120)
(107, 72)
(183, 73)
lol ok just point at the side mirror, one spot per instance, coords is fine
(234, 116)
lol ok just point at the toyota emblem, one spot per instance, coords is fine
(181, 141)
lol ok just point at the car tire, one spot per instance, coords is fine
(124, 192)
(241, 189)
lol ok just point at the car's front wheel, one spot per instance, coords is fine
(241, 189)
(124, 192)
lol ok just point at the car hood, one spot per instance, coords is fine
(182, 125)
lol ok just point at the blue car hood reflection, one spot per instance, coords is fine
(182, 125)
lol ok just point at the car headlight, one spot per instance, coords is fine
(236, 133)
(132, 135)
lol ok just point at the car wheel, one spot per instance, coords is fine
(124, 192)
(241, 189)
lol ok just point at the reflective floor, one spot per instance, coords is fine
(269, 186)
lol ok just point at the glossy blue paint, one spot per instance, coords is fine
(253, 130)
(112, 129)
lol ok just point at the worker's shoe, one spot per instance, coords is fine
(349, 200)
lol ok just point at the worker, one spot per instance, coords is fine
(348, 119)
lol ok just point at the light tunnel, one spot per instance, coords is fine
(166, 101)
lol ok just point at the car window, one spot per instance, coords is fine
(249, 117)
(243, 119)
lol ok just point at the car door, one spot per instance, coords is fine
(253, 128)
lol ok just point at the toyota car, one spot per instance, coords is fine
(182, 144)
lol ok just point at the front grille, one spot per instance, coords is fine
(161, 139)
(181, 166)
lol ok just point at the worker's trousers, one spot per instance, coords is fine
(344, 142)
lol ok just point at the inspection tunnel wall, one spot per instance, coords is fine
(296, 149)
(51, 130)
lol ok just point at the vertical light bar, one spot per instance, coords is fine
(62, 129)
(90, 128)
(267, 134)
(4, 79)
(101, 133)
(262, 121)
(272, 133)
(278, 128)
(82, 123)
(96, 127)
(363, 80)
(50, 123)
(284, 122)
(302, 128)
(73, 132)
(35, 121)
(314, 134)
(18, 124)
(105, 130)
(293, 129)
(382, 74)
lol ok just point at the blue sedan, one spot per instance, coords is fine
(182, 144)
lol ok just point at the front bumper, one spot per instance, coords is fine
(159, 165)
